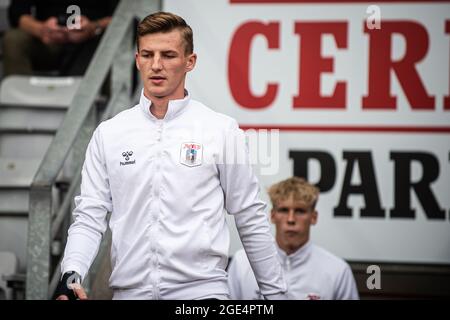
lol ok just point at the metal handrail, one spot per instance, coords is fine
(62, 212)
(74, 131)
(65, 206)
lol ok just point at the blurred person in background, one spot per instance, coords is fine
(311, 272)
(44, 39)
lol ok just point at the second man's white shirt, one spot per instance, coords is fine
(311, 272)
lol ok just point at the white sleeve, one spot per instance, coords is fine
(235, 279)
(346, 287)
(241, 280)
(92, 206)
(241, 190)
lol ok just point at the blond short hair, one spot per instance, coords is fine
(166, 22)
(297, 187)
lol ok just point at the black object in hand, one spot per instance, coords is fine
(63, 285)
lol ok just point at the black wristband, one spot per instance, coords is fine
(63, 285)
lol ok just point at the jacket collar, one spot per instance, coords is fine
(175, 107)
(298, 257)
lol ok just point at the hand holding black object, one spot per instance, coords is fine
(69, 288)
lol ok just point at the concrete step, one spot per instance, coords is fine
(16, 176)
(13, 237)
(33, 90)
(24, 145)
(14, 202)
(31, 117)
(17, 173)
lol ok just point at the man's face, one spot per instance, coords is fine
(293, 220)
(163, 64)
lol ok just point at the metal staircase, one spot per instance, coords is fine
(42, 151)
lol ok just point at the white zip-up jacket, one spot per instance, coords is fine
(168, 183)
(311, 273)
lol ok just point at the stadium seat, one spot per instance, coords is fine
(8, 266)
(32, 90)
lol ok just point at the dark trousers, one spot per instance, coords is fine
(26, 55)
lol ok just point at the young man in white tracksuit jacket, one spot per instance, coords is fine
(311, 272)
(168, 169)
